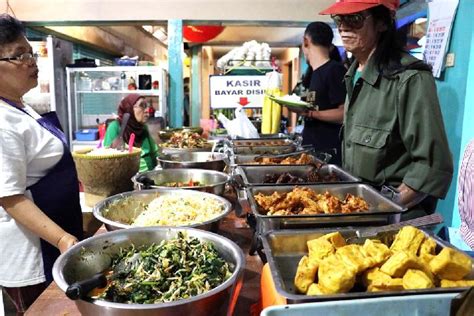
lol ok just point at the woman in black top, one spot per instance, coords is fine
(322, 126)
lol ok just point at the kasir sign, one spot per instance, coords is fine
(228, 91)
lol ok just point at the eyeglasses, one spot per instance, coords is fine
(142, 105)
(26, 58)
(353, 21)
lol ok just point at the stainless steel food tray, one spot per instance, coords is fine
(285, 248)
(381, 210)
(264, 147)
(249, 160)
(252, 142)
(255, 175)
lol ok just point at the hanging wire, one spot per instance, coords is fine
(9, 8)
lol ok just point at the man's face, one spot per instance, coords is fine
(358, 31)
(17, 77)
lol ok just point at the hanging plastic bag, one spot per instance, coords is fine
(271, 111)
(240, 126)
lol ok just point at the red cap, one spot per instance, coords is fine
(354, 6)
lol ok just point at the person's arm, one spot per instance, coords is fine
(422, 132)
(25, 212)
(332, 116)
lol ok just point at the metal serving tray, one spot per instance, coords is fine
(249, 160)
(381, 210)
(263, 146)
(255, 175)
(285, 248)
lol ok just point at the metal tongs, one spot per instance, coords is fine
(118, 142)
(423, 221)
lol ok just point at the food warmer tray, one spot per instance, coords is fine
(381, 209)
(254, 175)
(249, 160)
(285, 248)
(265, 146)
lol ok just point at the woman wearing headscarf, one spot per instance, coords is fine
(135, 105)
(40, 214)
(326, 91)
(393, 127)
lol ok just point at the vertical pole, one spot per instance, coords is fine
(195, 86)
(175, 68)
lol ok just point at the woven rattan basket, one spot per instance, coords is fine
(103, 176)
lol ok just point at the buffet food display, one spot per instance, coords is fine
(342, 263)
(186, 140)
(410, 262)
(162, 272)
(291, 196)
(304, 201)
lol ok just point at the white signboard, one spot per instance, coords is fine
(441, 17)
(229, 91)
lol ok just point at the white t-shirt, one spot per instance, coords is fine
(27, 152)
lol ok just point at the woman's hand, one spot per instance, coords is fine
(310, 114)
(65, 242)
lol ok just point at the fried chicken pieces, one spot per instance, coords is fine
(302, 159)
(304, 201)
(410, 262)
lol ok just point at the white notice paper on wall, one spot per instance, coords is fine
(441, 18)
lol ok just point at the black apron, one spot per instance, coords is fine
(57, 193)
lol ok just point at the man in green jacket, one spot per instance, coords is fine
(393, 127)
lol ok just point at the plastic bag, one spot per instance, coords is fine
(240, 126)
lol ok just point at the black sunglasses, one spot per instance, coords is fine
(353, 21)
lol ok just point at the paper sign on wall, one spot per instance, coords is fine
(228, 91)
(441, 15)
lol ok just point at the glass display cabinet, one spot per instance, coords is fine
(94, 93)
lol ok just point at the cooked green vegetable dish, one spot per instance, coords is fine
(171, 270)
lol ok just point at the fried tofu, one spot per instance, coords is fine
(427, 247)
(335, 276)
(335, 239)
(353, 256)
(459, 283)
(305, 274)
(408, 239)
(399, 263)
(451, 264)
(416, 279)
(376, 250)
(316, 289)
(320, 248)
(375, 280)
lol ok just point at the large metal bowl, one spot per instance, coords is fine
(93, 255)
(211, 181)
(146, 196)
(199, 160)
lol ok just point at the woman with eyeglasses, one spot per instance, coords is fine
(135, 105)
(40, 214)
(393, 128)
(326, 91)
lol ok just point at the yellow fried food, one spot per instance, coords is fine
(353, 256)
(335, 239)
(375, 281)
(427, 247)
(459, 283)
(376, 250)
(451, 264)
(316, 289)
(416, 279)
(305, 274)
(335, 276)
(408, 239)
(399, 263)
(319, 248)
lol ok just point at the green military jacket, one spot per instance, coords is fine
(393, 129)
